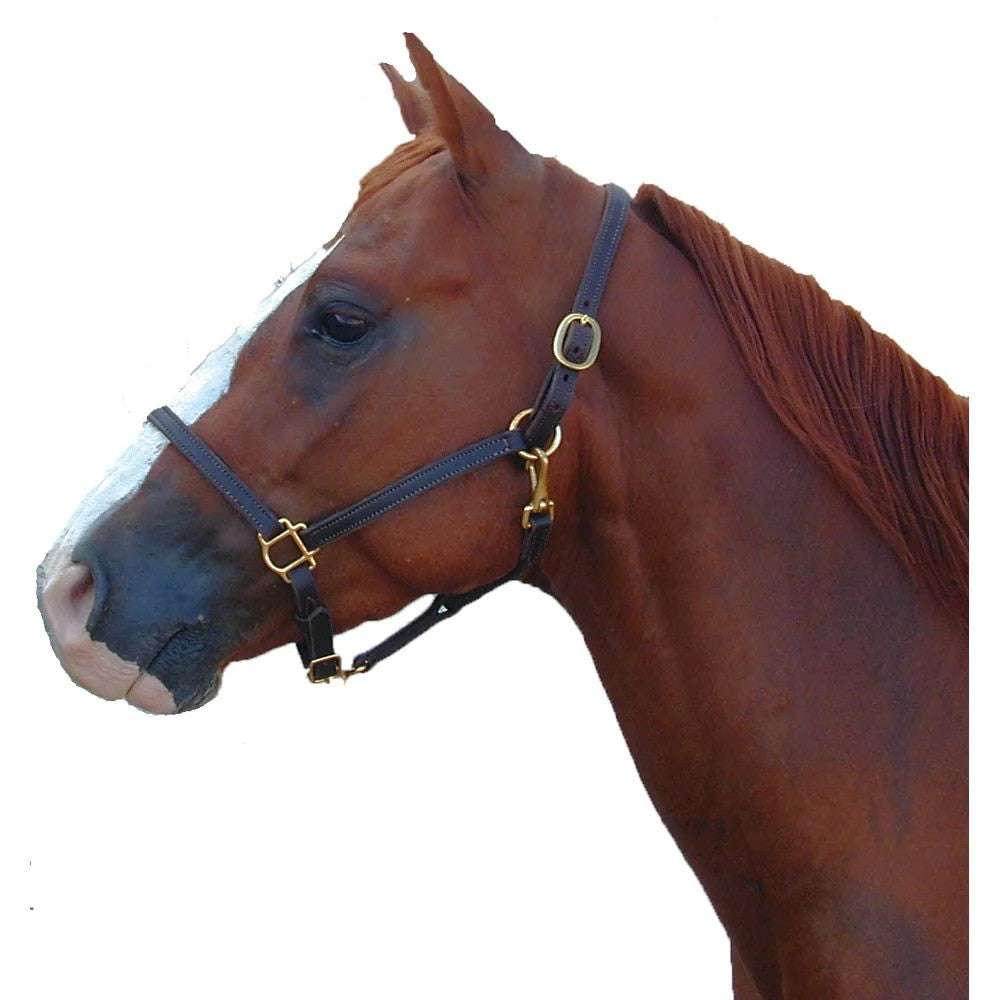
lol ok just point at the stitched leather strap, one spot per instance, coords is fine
(348, 519)
(373, 506)
(216, 471)
(557, 392)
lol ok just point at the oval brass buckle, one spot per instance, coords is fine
(559, 341)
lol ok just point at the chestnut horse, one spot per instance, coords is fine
(760, 529)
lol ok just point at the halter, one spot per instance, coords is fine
(575, 346)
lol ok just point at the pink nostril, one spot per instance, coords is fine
(69, 598)
(67, 601)
(82, 589)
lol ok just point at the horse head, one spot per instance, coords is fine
(413, 331)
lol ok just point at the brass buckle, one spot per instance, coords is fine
(291, 531)
(311, 671)
(560, 339)
(340, 672)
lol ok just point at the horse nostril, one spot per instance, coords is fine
(68, 600)
(67, 603)
(81, 589)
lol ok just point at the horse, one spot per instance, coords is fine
(753, 506)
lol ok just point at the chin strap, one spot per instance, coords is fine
(575, 348)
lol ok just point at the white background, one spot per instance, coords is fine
(465, 822)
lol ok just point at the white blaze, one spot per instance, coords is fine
(208, 382)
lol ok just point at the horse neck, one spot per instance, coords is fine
(745, 618)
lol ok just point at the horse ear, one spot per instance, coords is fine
(440, 102)
(414, 104)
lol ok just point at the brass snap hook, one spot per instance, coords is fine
(538, 472)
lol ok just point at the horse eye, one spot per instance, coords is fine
(341, 327)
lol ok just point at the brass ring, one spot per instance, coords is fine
(552, 445)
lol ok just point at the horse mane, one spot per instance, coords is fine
(894, 436)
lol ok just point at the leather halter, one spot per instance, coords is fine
(576, 345)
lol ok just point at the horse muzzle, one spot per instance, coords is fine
(66, 601)
(134, 614)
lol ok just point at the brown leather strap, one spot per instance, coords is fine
(216, 471)
(557, 392)
(373, 506)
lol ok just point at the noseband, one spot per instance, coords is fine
(576, 346)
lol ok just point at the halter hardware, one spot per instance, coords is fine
(324, 668)
(536, 464)
(311, 613)
(322, 678)
(537, 467)
(559, 341)
(549, 449)
(306, 556)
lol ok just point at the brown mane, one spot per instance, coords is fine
(894, 436)
(407, 155)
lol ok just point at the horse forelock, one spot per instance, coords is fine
(401, 159)
(893, 435)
